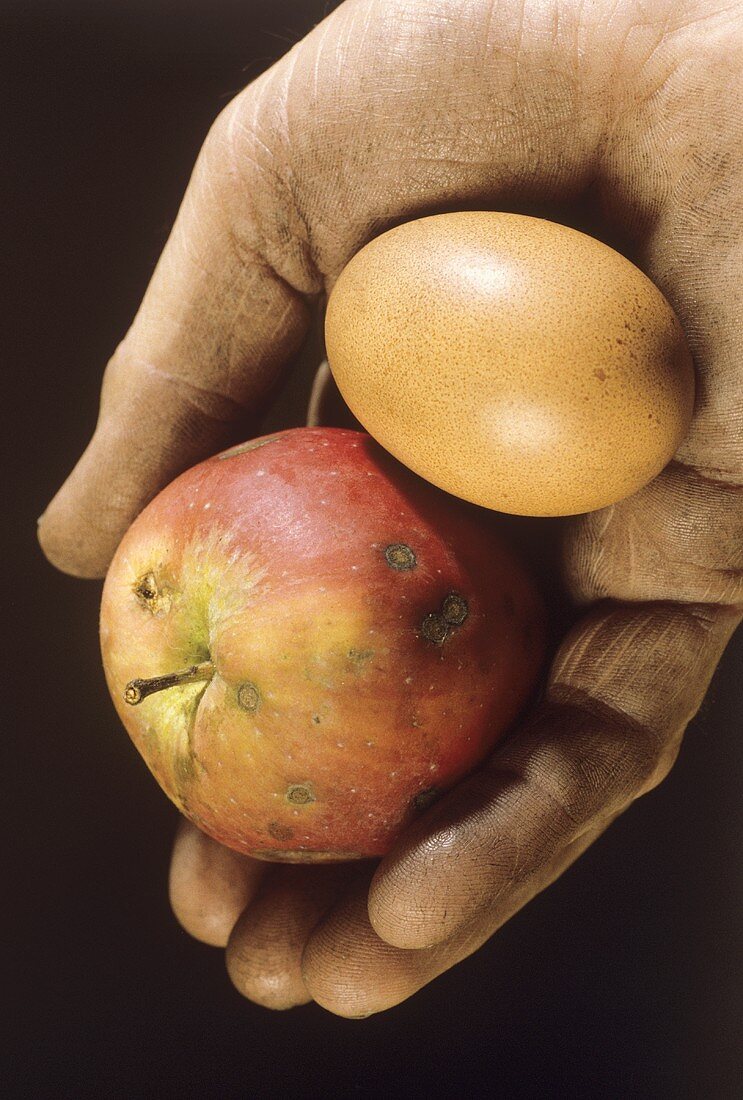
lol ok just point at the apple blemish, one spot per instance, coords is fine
(248, 697)
(455, 609)
(426, 798)
(399, 556)
(300, 794)
(151, 595)
(437, 626)
(434, 628)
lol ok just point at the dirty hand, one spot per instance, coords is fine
(391, 110)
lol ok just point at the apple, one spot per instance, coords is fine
(308, 643)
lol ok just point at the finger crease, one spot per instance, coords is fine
(207, 402)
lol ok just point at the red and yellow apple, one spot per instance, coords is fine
(308, 643)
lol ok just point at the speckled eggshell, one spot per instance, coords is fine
(512, 361)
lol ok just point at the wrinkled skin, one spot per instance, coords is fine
(388, 111)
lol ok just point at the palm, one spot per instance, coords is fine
(386, 112)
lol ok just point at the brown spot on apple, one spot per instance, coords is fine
(359, 657)
(146, 587)
(279, 831)
(426, 798)
(153, 596)
(300, 794)
(434, 628)
(455, 609)
(399, 556)
(248, 697)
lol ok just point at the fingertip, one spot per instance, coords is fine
(393, 924)
(265, 949)
(326, 973)
(209, 885)
(273, 982)
(417, 897)
(66, 542)
(84, 522)
(209, 926)
(399, 918)
(337, 991)
(150, 429)
(347, 969)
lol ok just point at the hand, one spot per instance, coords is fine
(388, 111)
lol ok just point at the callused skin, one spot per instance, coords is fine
(308, 643)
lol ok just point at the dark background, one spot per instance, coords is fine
(623, 980)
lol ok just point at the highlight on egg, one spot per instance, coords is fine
(511, 361)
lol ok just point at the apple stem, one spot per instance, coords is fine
(137, 690)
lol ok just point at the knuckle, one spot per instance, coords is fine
(678, 538)
(649, 753)
(600, 761)
(665, 760)
(246, 163)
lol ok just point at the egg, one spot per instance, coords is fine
(511, 361)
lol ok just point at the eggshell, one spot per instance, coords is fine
(512, 361)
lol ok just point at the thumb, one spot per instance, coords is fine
(217, 324)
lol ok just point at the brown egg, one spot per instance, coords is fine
(511, 361)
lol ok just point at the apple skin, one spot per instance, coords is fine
(316, 573)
